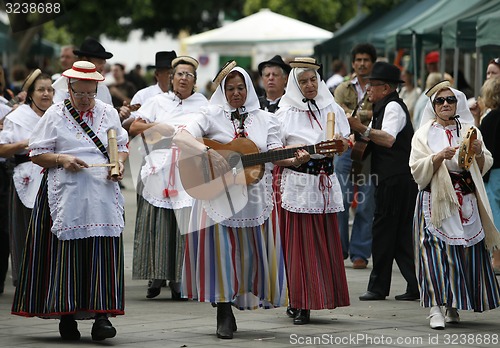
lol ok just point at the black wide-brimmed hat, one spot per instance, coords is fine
(163, 59)
(92, 48)
(385, 72)
(276, 60)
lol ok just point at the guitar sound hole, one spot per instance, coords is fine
(233, 159)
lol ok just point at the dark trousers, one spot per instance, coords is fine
(392, 234)
(5, 179)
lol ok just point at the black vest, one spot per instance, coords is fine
(389, 162)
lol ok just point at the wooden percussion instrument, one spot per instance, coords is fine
(113, 155)
(466, 154)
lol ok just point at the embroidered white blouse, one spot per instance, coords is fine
(18, 126)
(160, 171)
(85, 203)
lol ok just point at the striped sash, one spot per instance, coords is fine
(86, 128)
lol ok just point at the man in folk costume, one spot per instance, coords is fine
(73, 262)
(274, 74)
(390, 133)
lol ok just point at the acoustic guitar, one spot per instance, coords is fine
(246, 162)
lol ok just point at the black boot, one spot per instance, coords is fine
(226, 323)
(68, 328)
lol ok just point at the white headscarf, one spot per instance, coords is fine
(462, 108)
(293, 95)
(251, 103)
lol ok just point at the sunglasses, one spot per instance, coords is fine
(450, 100)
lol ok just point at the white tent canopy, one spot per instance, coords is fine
(260, 35)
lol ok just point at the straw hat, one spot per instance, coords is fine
(30, 79)
(83, 70)
(437, 87)
(226, 69)
(185, 60)
(305, 62)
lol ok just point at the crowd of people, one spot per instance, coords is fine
(267, 228)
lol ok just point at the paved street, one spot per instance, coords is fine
(161, 322)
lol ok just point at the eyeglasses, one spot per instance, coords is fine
(81, 95)
(181, 74)
(374, 84)
(450, 100)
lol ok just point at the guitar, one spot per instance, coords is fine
(246, 162)
(358, 151)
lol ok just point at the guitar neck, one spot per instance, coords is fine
(254, 159)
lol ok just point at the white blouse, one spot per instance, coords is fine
(464, 227)
(85, 203)
(301, 192)
(27, 176)
(160, 174)
(253, 203)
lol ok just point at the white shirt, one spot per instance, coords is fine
(143, 95)
(160, 171)
(27, 176)
(85, 203)
(394, 119)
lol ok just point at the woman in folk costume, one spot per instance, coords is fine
(163, 205)
(310, 195)
(18, 127)
(72, 266)
(235, 258)
(453, 223)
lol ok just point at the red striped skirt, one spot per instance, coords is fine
(314, 260)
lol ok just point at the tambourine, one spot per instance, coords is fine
(466, 154)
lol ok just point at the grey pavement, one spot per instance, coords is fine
(161, 322)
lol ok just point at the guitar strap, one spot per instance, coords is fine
(86, 128)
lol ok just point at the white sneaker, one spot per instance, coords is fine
(452, 316)
(436, 317)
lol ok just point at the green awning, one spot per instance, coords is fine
(487, 30)
(376, 32)
(461, 32)
(427, 26)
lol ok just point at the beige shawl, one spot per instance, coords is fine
(444, 199)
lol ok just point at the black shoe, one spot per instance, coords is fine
(408, 296)
(371, 296)
(176, 296)
(154, 288)
(291, 312)
(68, 328)
(302, 317)
(102, 329)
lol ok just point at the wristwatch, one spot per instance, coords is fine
(366, 134)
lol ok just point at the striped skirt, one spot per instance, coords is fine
(314, 261)
(80, 277)
(452, 275)
(19, 217)
(244, 266)
(158, 243)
